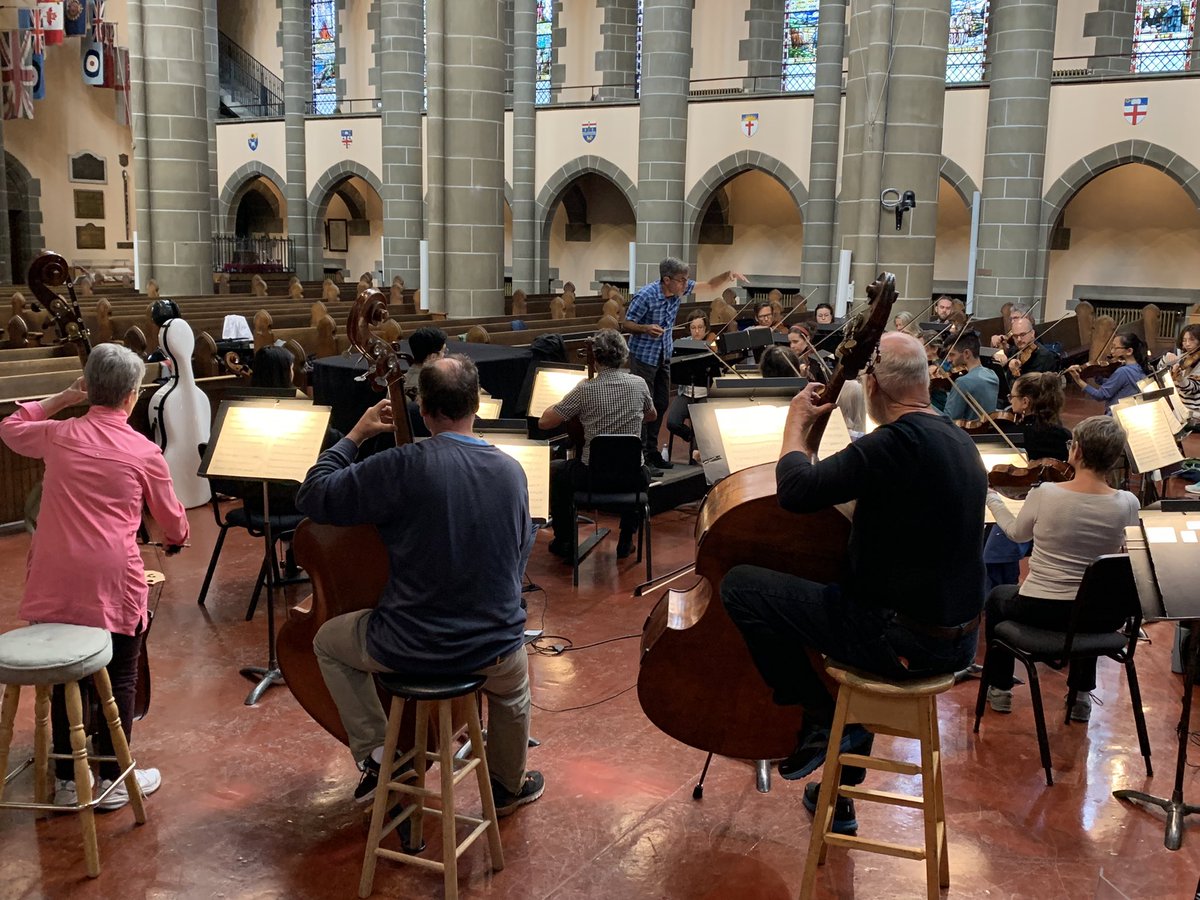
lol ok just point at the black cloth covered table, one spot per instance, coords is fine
(501, 373)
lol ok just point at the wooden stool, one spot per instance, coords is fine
(432, 696)
(43, 656)
(903, 709)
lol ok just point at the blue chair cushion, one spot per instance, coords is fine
(416, 687)
(53, 654)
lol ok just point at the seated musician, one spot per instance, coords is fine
(678, 422)
(1024, 335)
(824, 314)
(899, 612)
(938, 365)
(84, 565)
(779, 362)
(764, 316)
(1037, 402)
(777, 316)
(979, 382)
(453, 512)
(811, 366)
(904, 322)
(1185, 370)
(943, 309)
(1071, 524)
(426, 344)
(614, 402)
(1130, 351)
(273, 368)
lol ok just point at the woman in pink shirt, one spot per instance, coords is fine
(84, 566)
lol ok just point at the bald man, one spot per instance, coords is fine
(900, 611)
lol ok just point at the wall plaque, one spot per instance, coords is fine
(89, 237)
(89, 204)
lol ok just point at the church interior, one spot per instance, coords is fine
(198, 182)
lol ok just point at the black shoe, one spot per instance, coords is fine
(809, 754)
(561, 549)
(844, 820)
(654, 473)
(625, 545)
(508, 803)
(658, 461)
(365, 791)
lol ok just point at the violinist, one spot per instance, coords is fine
(824, 314)
(899, 612)
(678, 422)
(904, 322)
(800, 344)
(779, 362)
(426, 344)
(452, 604)
(978, 380)
(1130, 351)
(1071, 524)
(1185, 369)
(943, 309)
(1025, 354)
(84, 566)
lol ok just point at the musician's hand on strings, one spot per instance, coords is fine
(1001, 357)
(376, 420)
(803, 411)
(1074, 371)
(997, 341)
(1014, 366)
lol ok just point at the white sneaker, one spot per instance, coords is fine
(149, 780)
(65, 793)
(1000, 700)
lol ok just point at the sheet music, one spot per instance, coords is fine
(836, 437)
(1149, 435)
(752, 434)
(534, 457)
(267, 441)
(550, 386)
(489, 408)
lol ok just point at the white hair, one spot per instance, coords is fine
(902, 365)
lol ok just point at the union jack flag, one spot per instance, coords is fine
(96, 19)
(18, 75)
(30, 21)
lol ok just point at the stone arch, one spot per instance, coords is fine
(557, 184)
(956, 176)
(1104, 159)
(25, 198)
(730, 167)
(323, 191)
(239, 182)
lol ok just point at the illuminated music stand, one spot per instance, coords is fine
(271, 442)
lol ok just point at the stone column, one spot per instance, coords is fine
(662, 134)
(213, 85)
(524, 228)
(893, 139)
(402, 86)
(1112, 27)
(295, 41)
(763, 48)
(1011, 239)
(820, 213)
(174, 211)
(6, 272)
(465, 125)
(617, 58)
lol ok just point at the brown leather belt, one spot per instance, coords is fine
(941, 632)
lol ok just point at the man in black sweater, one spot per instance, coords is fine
(453, 512)
(900, 611)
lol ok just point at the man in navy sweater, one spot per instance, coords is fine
(453, 512)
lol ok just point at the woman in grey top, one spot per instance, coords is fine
(1071, 524)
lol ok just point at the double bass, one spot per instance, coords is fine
(697, 681)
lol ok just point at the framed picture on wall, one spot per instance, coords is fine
(336, 240)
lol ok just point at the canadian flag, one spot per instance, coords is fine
(50, 14)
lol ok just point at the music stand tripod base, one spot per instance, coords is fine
(265, 678)
(1175, 809)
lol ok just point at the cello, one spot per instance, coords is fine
(348, 565)
(696, 681)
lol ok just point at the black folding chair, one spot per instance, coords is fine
(1107, 595)
(618, 482)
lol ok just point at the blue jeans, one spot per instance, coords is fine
(781, 615)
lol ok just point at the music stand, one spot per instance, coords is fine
(272, 442)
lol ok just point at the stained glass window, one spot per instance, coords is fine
(324, 57)
(800, 44)
(968, 41)
(545, 24)
(1162, 35)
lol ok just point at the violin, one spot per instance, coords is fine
(1036, 472)
(1100, 369)
(1008, 422)
(1185, 363)
(941, 380)
(696, 680)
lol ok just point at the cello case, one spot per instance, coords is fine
(180, 415)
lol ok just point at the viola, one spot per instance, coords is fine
(696, 680)
(1008, 422)
(1036, 472)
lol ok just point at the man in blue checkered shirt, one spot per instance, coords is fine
(648, 322)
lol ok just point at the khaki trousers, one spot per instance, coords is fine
(341, 648)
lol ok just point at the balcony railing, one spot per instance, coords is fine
(253, 255)
(254, 90)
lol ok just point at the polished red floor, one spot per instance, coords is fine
(256, 800)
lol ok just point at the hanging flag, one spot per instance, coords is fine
(74, 18)
(38, 61)
(50, 13)
(30, 21)
(96, 19)
(93, 63)
(124, 111)
(17, 74)
(109, 41)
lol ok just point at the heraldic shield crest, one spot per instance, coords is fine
(589, 132)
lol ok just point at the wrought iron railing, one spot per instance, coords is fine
(254, 91)
(253, 255)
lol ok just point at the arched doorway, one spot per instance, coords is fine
(591, 226)
(952, 241)
(259, 210)
(351, 227)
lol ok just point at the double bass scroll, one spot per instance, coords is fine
(384, 372)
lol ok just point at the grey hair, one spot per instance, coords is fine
(671, 268)
(609, 348)
(853, 406)
(112, 373)
(903, 367)
(1101, 441)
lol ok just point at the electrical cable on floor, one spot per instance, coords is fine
(557, 644)
(587, 705)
